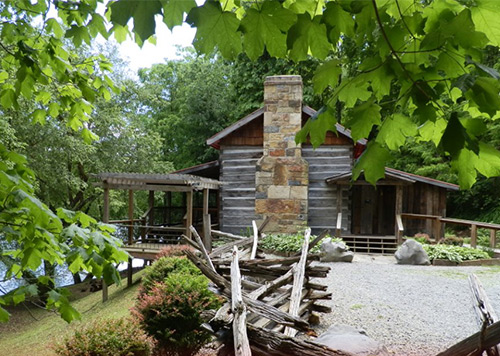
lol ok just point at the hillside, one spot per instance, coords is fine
(32, 331)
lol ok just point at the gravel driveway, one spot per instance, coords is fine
(412, 310)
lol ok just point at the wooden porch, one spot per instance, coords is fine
(186, 201)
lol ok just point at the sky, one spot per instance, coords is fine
(165, 47)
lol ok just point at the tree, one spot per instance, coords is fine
(38, 67)
(428, 52)
(185, 101)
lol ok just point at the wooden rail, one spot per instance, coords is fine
(474, 225)
(338, 227)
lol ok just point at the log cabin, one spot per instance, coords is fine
(264, 173)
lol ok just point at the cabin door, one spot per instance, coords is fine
(373, 210)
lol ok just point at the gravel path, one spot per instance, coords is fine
(412, 310)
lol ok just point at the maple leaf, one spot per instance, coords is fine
(215, 28)
(173, 11)
(308, 35)
(267, 27)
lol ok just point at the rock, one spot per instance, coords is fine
(335, 252)
(411, 252)
(349, 339)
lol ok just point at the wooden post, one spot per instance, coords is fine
(202, 247)
(338, 230)
(298, 283)
(130, 233)
(241, 343)
(105, 219)
(255, 240)
(399, 210)
(473, 235)
(493, 238)
(207, 234)
(437, 229)
(151, 206)
(189, 212)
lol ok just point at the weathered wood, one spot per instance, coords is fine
(298, 282)
(399, 229)
(228, 247)
(273, 285)
(474, 344)
(264, 343)
(228, 235)
(189, 212)
(254, 306)
(493, 238)
(202, 247)
(241, 343)
(207, 232)
(398, 210)
(255, 240)
(473, 235)
(280, 260)
(190, 242)
(484, 311)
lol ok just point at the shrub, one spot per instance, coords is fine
(454, 253)
(422, 237)
(290, 242)
(113, 337)
(171, 313)
(173, 251)
(162, 267)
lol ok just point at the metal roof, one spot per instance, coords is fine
(399, 175)
(214, 140)
(163, 182)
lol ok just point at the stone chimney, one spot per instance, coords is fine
(282, 175)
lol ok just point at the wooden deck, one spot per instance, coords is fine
(145, 251)
(385, 245)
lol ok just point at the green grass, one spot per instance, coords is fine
(24, 335)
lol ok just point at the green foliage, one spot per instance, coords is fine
(120, 337)
(454, 253)
(171, 312)
(163, 267)
(417, 63)
(38, 234)
(289, 242)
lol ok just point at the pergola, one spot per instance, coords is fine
(169, 183)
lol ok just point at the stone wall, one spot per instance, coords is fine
(282, 175)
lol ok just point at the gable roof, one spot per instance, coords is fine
(215, 139)
(399, 175)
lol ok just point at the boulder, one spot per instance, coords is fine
(411, 252)
(349, 339)
(335, 252)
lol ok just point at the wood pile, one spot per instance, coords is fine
(269, 300)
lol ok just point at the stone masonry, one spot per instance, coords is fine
(282, 176)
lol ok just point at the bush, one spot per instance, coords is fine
(171, 312)
(454, 253)
(173, 251)
(290, 243)
(119, 337)
(162, 267)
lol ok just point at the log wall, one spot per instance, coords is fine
(327, 161)
(237, 172)
(421, 198)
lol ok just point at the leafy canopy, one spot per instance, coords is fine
(422, 66)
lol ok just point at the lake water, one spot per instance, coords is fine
(63, 276)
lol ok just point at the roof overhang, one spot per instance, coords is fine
(214, 141)
(396, 177)
(157, 182)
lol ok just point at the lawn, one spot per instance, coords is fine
(32, 331)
